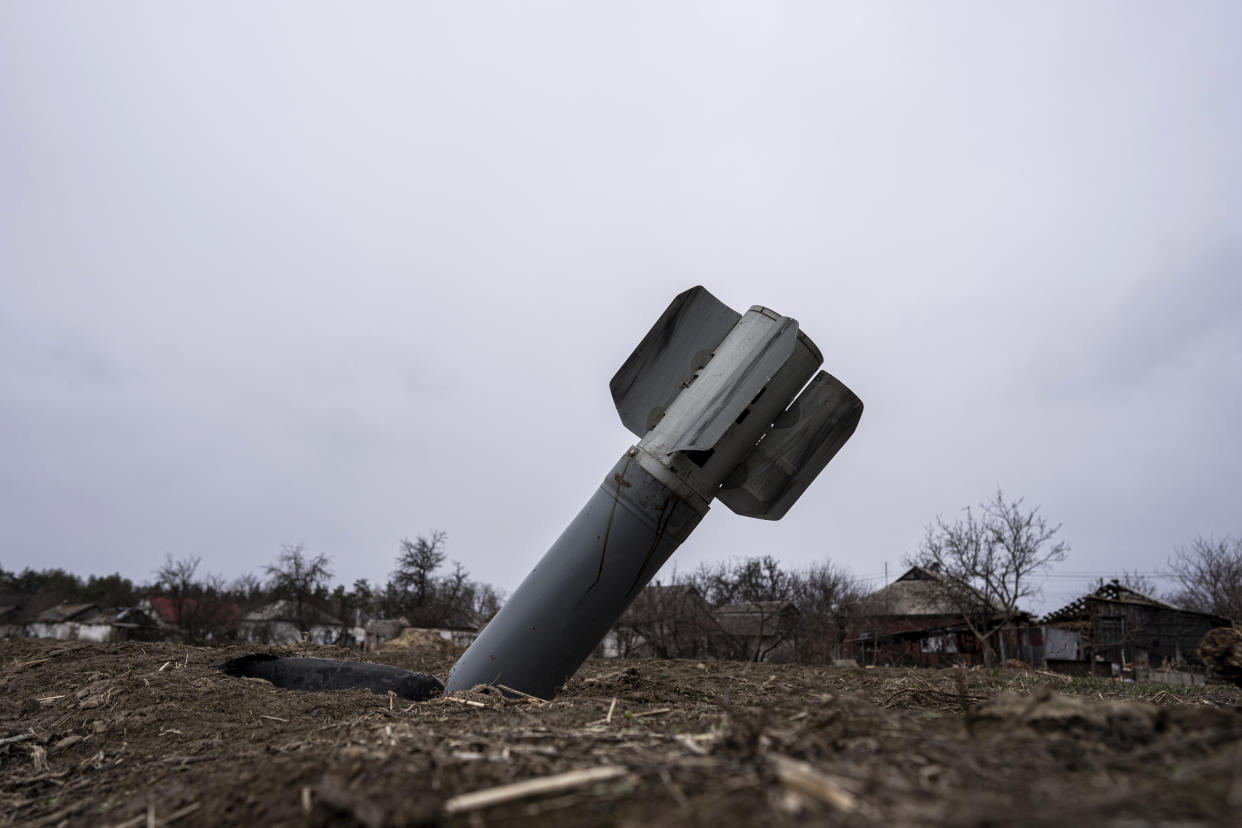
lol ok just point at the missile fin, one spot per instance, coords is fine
(679, 343)
(804, 438)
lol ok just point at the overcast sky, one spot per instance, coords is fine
(337, 274)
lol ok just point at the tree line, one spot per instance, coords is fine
(746, 609)
(991, 558)
(207, 605)
(987, 564)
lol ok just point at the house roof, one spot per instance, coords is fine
(66, 612)
(1114, 593)
(286, 610)
(659, 603)
(755, 617)
(169, 611)
(461, 619)
(164, 608)
(919, 591)
(133, 617)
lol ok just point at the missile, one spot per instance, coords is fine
(726, 406)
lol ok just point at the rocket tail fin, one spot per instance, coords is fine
(804, 438)
(679, 344)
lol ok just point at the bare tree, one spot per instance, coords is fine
(176, 580)
(1209, 576)
(829, 599)
(248, 590)
(757, 593)
(363, 599)
(1136, 582)
(297, 576)
(488, 601)
(199, 605)
(417, 562)
(428, 599)
(986, 563)
(747, 609)
(748, 580)
(668, 621)
(456, 589)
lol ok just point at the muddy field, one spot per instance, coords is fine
(153, 734)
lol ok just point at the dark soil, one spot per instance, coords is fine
(154, 734)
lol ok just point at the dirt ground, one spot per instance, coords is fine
(152, 734)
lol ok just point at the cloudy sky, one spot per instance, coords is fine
(336, 274)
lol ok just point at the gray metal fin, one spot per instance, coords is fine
(680, 343)
(804, 438)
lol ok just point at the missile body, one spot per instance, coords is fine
(714, 397)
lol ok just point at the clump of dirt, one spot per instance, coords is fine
(133, 734)
(1115, 723)
(1221, 649)
(422, 641)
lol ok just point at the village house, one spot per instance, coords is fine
(72, 622)
(664, 622)
(278, 623)
(379, 631)
(1116, 625)
(90, 622)
(208, 619)
(460, 628)
(914, 621)
(676, 622)
(760, 630)
(134, 624)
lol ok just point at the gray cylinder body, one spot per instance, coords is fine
(600, 563)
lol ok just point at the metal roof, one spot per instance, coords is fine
(921, 591)
(756, 617)
(1111, 592)
(65, 612)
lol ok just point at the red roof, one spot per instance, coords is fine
(226, 613)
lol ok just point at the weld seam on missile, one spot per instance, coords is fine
(654, 467)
